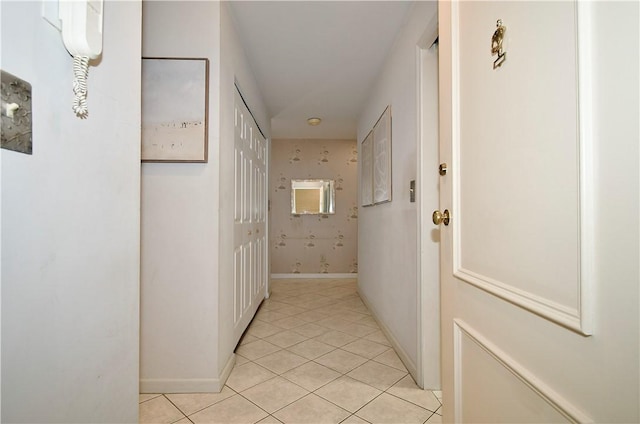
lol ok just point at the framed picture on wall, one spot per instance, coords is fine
(382, 158)
(366, 174)
(175, 109)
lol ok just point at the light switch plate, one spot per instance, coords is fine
(16, 114)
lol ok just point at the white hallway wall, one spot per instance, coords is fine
(179, 220)
(70, 228)
(187, 212)
(387, 257)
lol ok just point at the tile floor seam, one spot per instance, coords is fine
(352, 413)
(147, 400)
(322, 365)
(359, 409)
(261, 408)
(430, 416)
(424, 422)
(334, 348)
(314, 393)
(407, 400)
(310, 391)
(318, 388)
(175, 406)
(306, 363)
(268, 379)
(281, 376)
(208, 406)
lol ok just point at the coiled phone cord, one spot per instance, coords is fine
(80, 72)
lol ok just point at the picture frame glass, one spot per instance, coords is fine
(174, 109)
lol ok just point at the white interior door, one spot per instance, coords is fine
(517, 258)
(250, 217)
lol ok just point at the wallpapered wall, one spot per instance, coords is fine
(314, 244)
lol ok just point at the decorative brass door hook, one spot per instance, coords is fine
(496, 44)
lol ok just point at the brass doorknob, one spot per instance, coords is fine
(441, 217)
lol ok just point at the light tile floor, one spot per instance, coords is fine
(313, 354)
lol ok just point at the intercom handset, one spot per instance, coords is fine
(82, 36)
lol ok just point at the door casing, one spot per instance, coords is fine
(428, 296)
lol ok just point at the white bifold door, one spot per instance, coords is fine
(539, 310)
(250, 217)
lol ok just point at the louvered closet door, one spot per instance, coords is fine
(250, 235)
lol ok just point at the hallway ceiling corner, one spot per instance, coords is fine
(317, 58)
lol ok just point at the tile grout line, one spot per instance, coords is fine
(208, 406)
(177, 407)
(147, 400)
(407, 400)
(431, 416)
(164, 395)
(363, 406)
(255, 404)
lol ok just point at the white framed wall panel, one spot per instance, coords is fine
(491, 386)
(546, 218)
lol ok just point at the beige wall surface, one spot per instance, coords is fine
(314, 244)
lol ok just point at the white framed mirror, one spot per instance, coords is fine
(312, 197)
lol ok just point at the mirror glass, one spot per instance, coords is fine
(312, 197)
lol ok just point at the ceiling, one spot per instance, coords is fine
(317, 59)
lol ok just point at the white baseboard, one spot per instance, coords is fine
(174, 385)
(226, 371)
(402, 354)
(303, 276)
(188, 385)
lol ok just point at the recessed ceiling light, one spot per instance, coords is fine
(314, 121)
